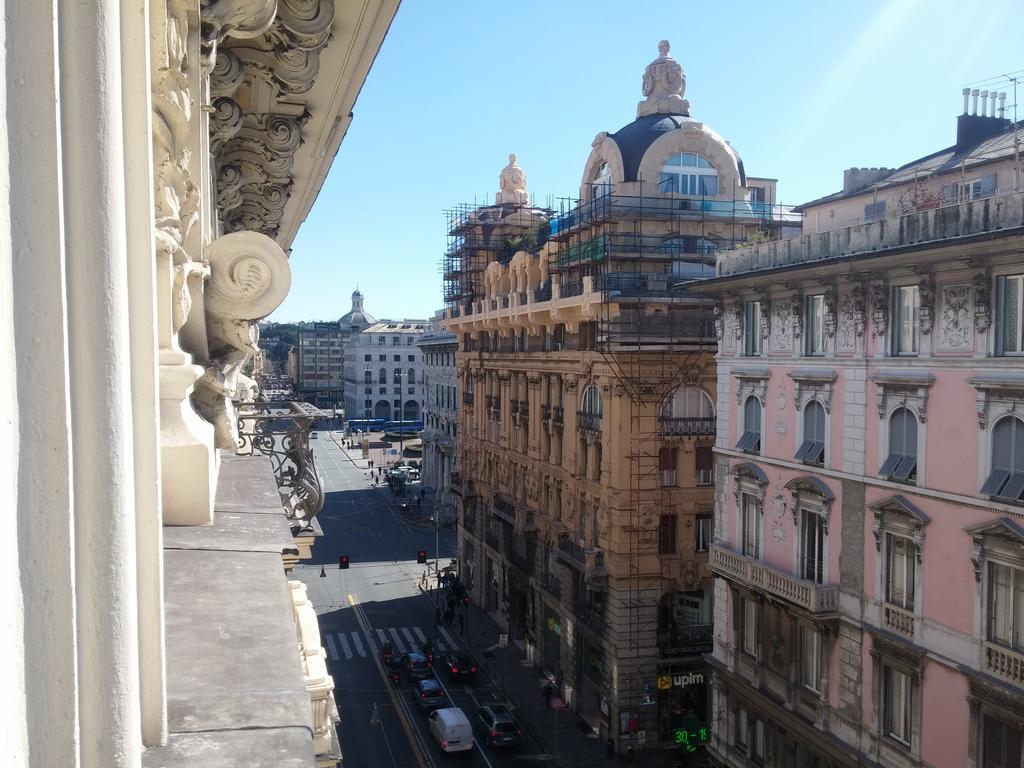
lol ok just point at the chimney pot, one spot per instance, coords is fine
(967, 93)
(992, 103)
(974, 101)
(984, 103)
(1002, 105)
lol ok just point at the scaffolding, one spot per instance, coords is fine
(478, 235)
(646, 255)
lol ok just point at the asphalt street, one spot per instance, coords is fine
(378, 599)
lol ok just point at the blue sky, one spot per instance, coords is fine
(801, 89)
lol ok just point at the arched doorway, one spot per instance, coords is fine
(411, 410)
(382, 410)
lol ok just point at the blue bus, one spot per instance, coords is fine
(366, 425)
(415, 425)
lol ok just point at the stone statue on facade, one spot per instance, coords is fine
(512, 183)
(664, 84)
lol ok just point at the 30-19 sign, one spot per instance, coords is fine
(691, 739)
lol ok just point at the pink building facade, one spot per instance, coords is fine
(869, 528)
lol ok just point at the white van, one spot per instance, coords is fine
(452, 730)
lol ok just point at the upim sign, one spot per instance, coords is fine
(680, 681)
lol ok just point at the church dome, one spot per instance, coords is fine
(356, 318)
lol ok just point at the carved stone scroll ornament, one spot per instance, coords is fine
(766, 320)
(955, 318)
(249, 278)
(982, 302)
(783, 339)
(238, 18)
(879, 308)
(846, 341)
(736, 319)
(719, 310)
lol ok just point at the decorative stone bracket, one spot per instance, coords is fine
(997, 395)
(906, 387)
(899, 515)
(751, 381)
(926, 298)
(857, 303)
(749, 478)
(816, 383)
(829, 301)
(249, 278)
(982, 285)
(796, 308)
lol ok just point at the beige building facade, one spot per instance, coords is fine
(587, 381)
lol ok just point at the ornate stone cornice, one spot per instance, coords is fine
(259, 61)
(997, 395)
(751, 381)
(909, 388)
(813, 382)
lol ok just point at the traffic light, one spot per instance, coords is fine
(421, 556)
(343, 562)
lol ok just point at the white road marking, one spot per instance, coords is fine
(448, 638)
(331, 649)
(344, 646)
(382, 636)
(420, 635)
(408, 637)
(399, 645)
(357, 641)
(371, 643)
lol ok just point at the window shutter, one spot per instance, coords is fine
(988, 185)
(667, 458)
(704, 458)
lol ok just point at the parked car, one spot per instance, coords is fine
(497, 726)
(451, 728)
(428, 694)
(416, 666)
(460, 666)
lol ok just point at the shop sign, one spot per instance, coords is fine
(554, 626)
(689, 739)
(665, 682)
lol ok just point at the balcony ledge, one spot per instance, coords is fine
(819, 599)
(235, 694)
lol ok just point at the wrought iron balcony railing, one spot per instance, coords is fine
(589, 421)
(504, 510)
(280, 431)
(687, 426)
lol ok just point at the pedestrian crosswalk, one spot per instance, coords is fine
(349, 645)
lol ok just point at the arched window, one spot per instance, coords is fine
(602, 184)
(1006, 480)
(412, 375)
(383, 375)
(812, 449)
(901, 464)
(590, 409)
(688, 403)
(750, 440)
(688, 174)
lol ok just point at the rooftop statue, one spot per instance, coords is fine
(664, 85)
(513, 184)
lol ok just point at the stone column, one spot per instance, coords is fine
(39, 707)
(142, 321)
(100, 384)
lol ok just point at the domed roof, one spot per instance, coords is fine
(357, 317)
(635, 139)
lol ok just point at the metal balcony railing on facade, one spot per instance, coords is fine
(624, 285)
(504, 510)
(691, 640)
(687, 426)
(588, 421)
(542, 293)
(590, 616)
(280, 431)
(558, 415)
(552, 585)
(545, 413)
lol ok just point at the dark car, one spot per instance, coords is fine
(498, 727)
(416, 666)
(429, 695)
(460, 666)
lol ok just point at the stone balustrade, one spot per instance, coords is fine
(816, 598)
(1004, 663)
(897, 620)
(319, 684)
